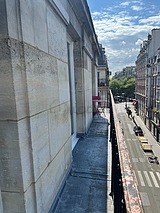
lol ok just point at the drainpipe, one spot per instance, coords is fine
(83, 91)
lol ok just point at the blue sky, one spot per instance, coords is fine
(121, 26)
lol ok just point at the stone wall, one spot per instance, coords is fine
(35, 123)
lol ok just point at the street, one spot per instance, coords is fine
(147, 174)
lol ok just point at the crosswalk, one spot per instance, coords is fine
(136, 160)
(148, 178)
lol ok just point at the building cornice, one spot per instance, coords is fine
(81, 9)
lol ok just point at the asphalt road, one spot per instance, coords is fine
(146, 174)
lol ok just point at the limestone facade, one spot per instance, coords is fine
(48, 72)
(147, 90)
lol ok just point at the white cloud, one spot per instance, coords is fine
(138, 42)
(117, 27)
(122, 43)
(121, 30)
(151, 20)
(137, 8)
(126, 3)
(138, 2)
(95, 14)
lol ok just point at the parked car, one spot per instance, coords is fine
(138, 130)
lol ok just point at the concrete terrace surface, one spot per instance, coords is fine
(88, 185)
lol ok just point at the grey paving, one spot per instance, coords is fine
(88, 185)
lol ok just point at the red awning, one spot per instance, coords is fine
(99, 100)
(96, 98)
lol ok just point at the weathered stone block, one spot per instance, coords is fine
(51, 180)
(59, 127)
(13, 202)
(63, 79)
(57, 36)
(10, 166)
(42, 80)
(40, 143)
(30, 199)
(26, 153)
(34, 23)
(7, 99)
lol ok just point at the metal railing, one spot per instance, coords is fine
(124, 187)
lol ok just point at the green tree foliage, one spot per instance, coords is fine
(123, 85)
(114, 85)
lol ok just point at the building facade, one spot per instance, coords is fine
(128, 71)
(49, 56)
(140, 85)
(103, 75)
(148, 82)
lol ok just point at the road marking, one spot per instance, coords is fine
(154, 179)
(147, 178)
(158, 175)
(145, 199)
(142, 160)
(130, 129)
(135, 177)
(135, 160)
(141, 178)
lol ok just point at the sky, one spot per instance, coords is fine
(122, 26)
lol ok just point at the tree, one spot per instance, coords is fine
(123, 85)
(114, 86)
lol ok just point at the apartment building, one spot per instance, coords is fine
(128, 71)
(148, 82)
(103, 76)
(49, 57)
(140, 85)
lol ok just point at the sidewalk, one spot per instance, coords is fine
(88, 185)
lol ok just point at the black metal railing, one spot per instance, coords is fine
(124, 189)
